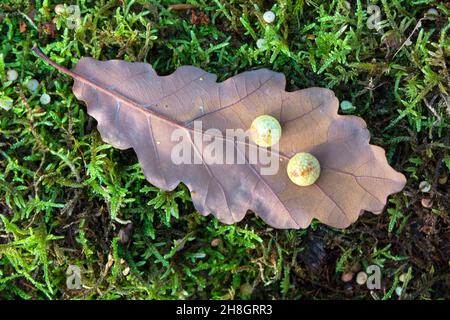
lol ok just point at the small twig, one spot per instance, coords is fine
(38, 178)
(430, 107)
(28, 19)
(418, 25)
(447, 102)
(181, 6)
(69, 164)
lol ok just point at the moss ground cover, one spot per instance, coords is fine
(69, 200)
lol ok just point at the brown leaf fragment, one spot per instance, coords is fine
(199, 17)
(22, 27)
(49, 28)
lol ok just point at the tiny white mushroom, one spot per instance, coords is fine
(45, 99)
(261, 43)
(346, 105)
(424, 186)
(398, 291)
(32, 84)
(6, 104)
(269, 16)
(59, 9)
(347, 5)
(361, 278)
(12, 75)
(432, 12)
(126, 271)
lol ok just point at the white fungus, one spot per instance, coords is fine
(45, 99)
(261, 43)
(361, 278)
(398, 291)
(346, 105)
(32, 84)
(12, 75)
(432, 12)
(347, 5)
(59, 9)
(269, 16)
(424, 186)
(126, 271)
(6, 104)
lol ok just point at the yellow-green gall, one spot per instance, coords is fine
(303, 169)
(265, 131)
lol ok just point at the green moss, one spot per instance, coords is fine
(66, 198)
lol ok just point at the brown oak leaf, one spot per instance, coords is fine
(136, 108)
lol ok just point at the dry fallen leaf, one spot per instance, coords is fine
(198, 17)
(136, 108)
(22, 27)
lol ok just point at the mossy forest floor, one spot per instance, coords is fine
(70, 202)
